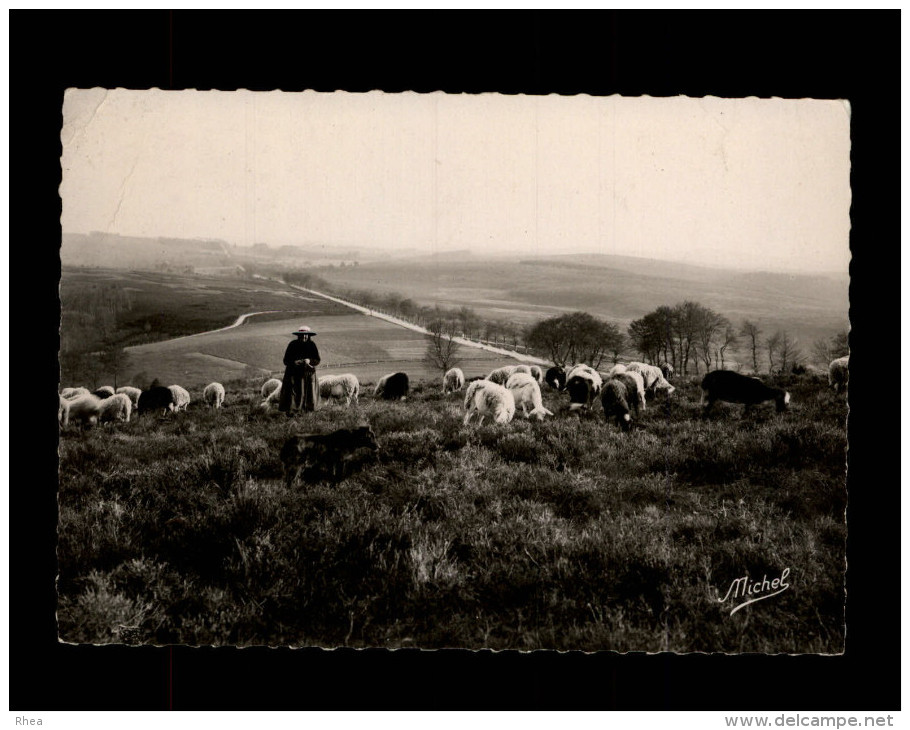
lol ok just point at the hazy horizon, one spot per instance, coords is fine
(749, 184)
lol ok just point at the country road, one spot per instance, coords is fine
(422, 330)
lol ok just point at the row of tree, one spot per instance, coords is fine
(689, 336)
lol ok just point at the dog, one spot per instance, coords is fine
(331, 451)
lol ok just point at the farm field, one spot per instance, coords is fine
(618, 289)
(367, 346)
(564, 534)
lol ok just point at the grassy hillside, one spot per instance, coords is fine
(564, 534)
(619, 289)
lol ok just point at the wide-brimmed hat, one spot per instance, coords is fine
(304, 331)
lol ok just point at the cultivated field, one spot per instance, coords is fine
(565, 534)
(367, 346)
(618, 289)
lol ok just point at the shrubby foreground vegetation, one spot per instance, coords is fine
(565, 534)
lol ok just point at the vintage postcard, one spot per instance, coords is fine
(473, 371)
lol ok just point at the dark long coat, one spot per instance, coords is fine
(300, 386)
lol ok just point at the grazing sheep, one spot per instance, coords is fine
(537, 372)
(501, 375)
(526, 391)
(332, 451)
(214, 395)
(583, 383)
(556, 378)
(839, 373)
(156, 398)
(131, 393)
(653, 377)
(117, 407)
(616, 370)
(393, 386)
(63, 411)
(105, 391)
(615, 400)
(635, 389)
(489, 399)
(272, 398)
(86, 409)
(181, 397)
(732, 387)
(452, 381)
(269, 387)
(70, 393)
(340, 386)
(667, 369)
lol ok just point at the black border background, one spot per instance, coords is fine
(821, 54)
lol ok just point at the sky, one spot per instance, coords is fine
(744, 183)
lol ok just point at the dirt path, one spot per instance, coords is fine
(239, 321)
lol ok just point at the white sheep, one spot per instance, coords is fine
(452, 381)
(272, 398)
(269, 387)
(63, 411)
(86, 409)
(839, 373)
(117, 407)
(132, 393)
(105, 391)
(537, 372)
(70, 393)
(214, 395)
(526, 391)
(489, 399)
(616, 370)
(652, 375)
(344, 386)
(181, 397)
(501, 375)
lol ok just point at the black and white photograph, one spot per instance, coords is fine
(444, 371)
(440, 360)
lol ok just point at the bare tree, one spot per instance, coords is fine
(789, 352)
(826, 350)
(575, 338)
(729, 339)
(772, 344)
(442, 350)
(751, 332)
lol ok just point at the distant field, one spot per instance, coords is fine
(620, 290)
(165, 305)
(366, 346)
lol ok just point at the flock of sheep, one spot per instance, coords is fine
(621, 390)
(85, 407)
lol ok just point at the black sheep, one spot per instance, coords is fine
(154, 399)
(732, 387)
(615, 400)
(556, 378)
(394, 386)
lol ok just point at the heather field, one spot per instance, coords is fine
(565, 534)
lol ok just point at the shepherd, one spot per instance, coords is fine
(300, 387)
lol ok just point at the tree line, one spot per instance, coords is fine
(690, 336)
